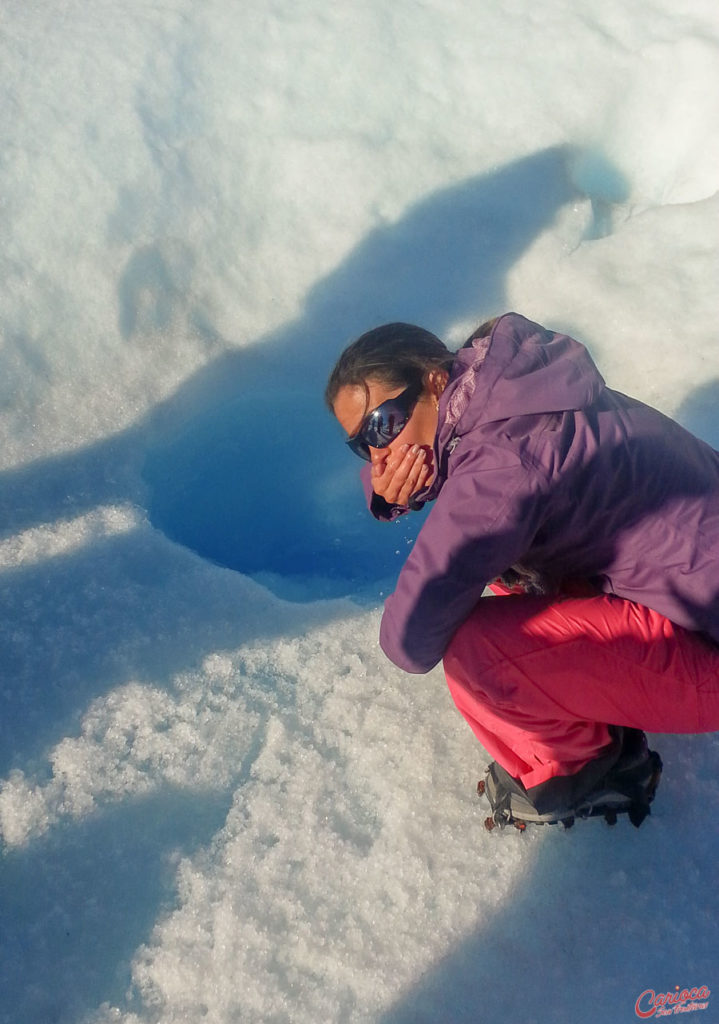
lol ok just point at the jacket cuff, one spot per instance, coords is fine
(380, 509)
(383, 510)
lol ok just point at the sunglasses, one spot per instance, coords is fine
(382, 425)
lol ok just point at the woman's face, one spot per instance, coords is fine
(354, 403)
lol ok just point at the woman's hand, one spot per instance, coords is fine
(399, 475)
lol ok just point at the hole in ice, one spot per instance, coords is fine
(269, 489)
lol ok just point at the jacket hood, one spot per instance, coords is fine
(521, 369)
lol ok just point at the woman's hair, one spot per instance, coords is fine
(395, 355)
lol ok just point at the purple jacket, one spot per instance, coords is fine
(540, 465)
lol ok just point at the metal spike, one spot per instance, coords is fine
(637, 814)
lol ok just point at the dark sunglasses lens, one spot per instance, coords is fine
(359, 446)
(385, 423)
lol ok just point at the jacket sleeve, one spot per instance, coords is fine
(484, 520)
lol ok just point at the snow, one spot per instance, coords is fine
(218, 801)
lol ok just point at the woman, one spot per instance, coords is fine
(595, 514)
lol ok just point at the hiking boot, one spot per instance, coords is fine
(623, 780)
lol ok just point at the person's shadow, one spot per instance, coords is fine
(243, 464)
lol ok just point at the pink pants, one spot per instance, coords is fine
(540, 679)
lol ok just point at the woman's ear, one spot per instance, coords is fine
(435, 384)
(437, 381)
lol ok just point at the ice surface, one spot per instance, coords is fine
(218, 801)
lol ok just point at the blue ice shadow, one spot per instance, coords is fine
(106, 877)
